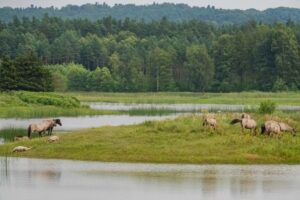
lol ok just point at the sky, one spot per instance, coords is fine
(226, 4)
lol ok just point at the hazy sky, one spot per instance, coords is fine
(240, 4)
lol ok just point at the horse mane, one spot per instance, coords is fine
(234, 121)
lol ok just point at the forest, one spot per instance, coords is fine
(154, 12)
(131, 55)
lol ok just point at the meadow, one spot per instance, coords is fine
(245, 98)
(181, 140)
(43, 104)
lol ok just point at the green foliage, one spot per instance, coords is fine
(24, 73)
(49, 99)
(200, 68)
(131, 56)
(267, 107)
(279, 85)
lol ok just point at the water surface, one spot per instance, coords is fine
(74, 123)
(36, 179)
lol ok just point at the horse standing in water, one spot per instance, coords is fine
(271, 127)
(246, 122)
(42, 127)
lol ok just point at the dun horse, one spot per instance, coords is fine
(271, 127)
(209, 121)
(42, 127)
(246, 122)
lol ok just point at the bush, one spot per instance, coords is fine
(267, 107)
(49, 99)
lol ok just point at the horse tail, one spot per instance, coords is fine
(29, 130)
(235, 121)
(263, 129)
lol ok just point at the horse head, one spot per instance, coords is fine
(57, 121)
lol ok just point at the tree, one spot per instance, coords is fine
(200, 68)
(101, 80)
(284, 46)
(160, 76)
(77, 78)
(66, 48)
(8, 75)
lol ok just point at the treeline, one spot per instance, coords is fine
(174, 12)
(130, 55)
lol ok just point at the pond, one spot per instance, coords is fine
(35, 179)
(75, 123)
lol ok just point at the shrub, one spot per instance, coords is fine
(49, 99)
(267, 107)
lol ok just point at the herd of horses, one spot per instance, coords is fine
(269, 127)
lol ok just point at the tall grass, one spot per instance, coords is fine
(9, 134)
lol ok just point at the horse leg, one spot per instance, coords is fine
(50, 131)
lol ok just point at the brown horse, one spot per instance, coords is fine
(246, 122)
(42, 127)
(271, 127)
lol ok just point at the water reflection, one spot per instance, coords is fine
(45, 179)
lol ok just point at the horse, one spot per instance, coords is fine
(42, 127)
(21, 148)
(21, 138)
(53, 138)
(245, 116)
(247, 123)
(50, 129)
(271, 127)
(210, 121)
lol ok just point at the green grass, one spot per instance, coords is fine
(39, 104)
(249, 98)
(182, 140)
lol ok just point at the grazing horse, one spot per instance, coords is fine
(247, 123)
(245, 116)
(210, 121)
(42, 127)
(271, 127)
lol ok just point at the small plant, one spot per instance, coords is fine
(267, 107)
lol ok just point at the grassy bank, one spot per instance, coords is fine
(38, 104)
(182, 140)
(251, 98)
